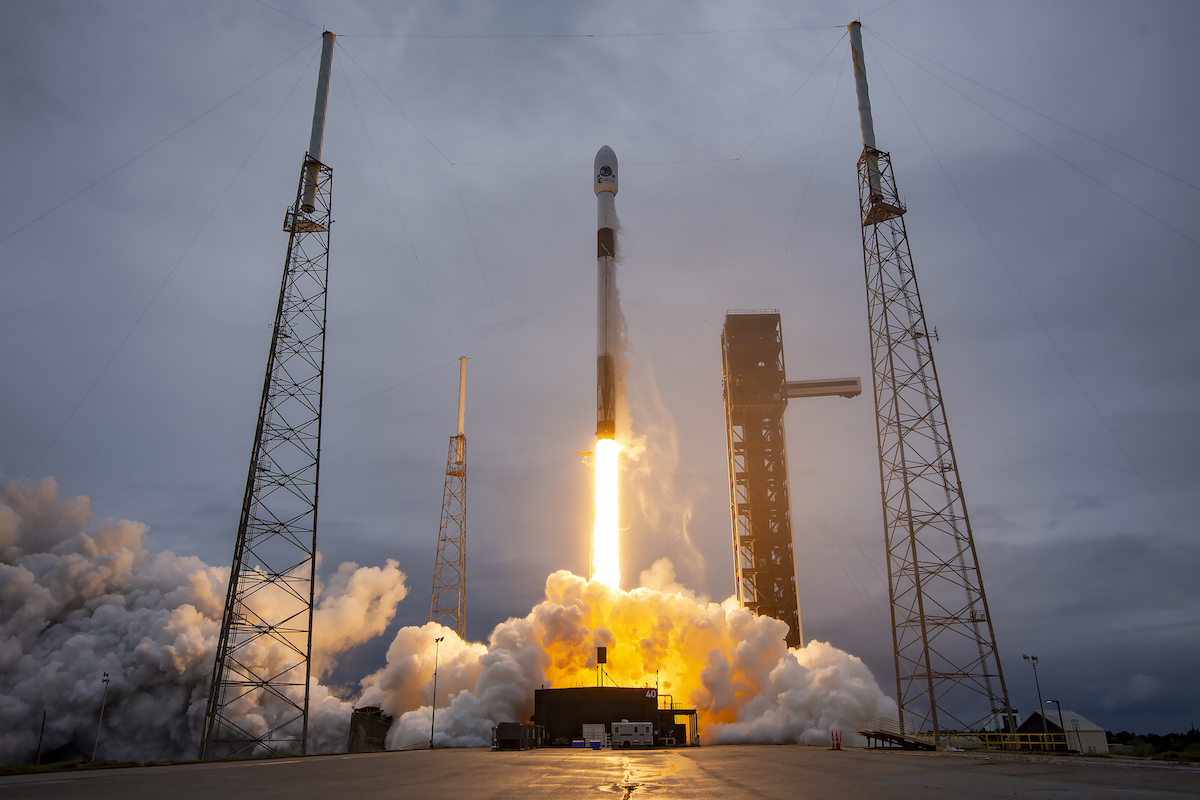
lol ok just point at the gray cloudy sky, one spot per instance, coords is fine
(1044, 149)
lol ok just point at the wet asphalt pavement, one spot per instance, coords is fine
(730, 773)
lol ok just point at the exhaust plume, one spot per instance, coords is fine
(79, 598)
(732, 665)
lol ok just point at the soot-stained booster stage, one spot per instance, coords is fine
(606, 562)
(607, 311)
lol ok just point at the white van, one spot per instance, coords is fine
(632, 734)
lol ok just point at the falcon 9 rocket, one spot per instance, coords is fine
(607, 314)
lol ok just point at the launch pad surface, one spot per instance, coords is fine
(730, 772)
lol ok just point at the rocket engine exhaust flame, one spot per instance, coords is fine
(606, 547)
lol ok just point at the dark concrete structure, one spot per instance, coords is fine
(678, 726)
(517, 736)
(563, 712)
(368, 730)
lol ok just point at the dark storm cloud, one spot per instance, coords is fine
(1066, 325)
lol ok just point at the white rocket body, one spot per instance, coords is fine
(308, 203)
(607, 320)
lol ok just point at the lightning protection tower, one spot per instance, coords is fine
(258, 700)
(448, 604)
(948, 675)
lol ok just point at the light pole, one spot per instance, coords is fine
(1060, 722)
(41, 738)
(433, 705)
(103, 699)
(1041, 706)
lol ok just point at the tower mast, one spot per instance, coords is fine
(448, 604)
(944, 645)
(263, 653)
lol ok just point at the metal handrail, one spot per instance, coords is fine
(992, 740)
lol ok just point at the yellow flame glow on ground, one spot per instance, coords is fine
(606, 545)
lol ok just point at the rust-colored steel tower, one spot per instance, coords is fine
(448, 604)
(756, 393)
(947, 664)
(752, 362)
(262, 663)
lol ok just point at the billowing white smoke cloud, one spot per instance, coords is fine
(733, 666)
(808, 693)
(78, 599)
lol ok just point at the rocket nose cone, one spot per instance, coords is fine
(605, 177)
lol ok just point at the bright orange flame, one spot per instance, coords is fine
(606, 545)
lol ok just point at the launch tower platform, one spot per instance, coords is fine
(755, 399)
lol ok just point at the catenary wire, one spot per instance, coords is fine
(1077, 457)
(458, 188)
(1031, 110)
(1069, 163)
(843, 560)
(793, 97)
(396, 207)
(429, 377)
(1004, 266)
(712, 286)
(881, 8)
(733, 186)
(216, 459)
(584, 35)
(174, 133)
(395, 105)
(170, 273)
(286, 14)
(624, 164)
(807, 181)
(474, 244)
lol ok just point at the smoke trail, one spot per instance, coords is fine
(78, 599)
(648, 438)
(651, 461)
(733, 666)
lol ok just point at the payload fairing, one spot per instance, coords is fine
(607, 313)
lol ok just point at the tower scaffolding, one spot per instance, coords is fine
(258, 698)
(448, 604)
(756, 393)
(944, 645)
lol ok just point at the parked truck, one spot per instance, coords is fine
(626, 734)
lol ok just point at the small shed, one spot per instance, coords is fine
(368, 730)
(1081, 733)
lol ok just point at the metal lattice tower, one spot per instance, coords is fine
(947, 664)
(263, 654)
(752, 363)
(448, 604)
